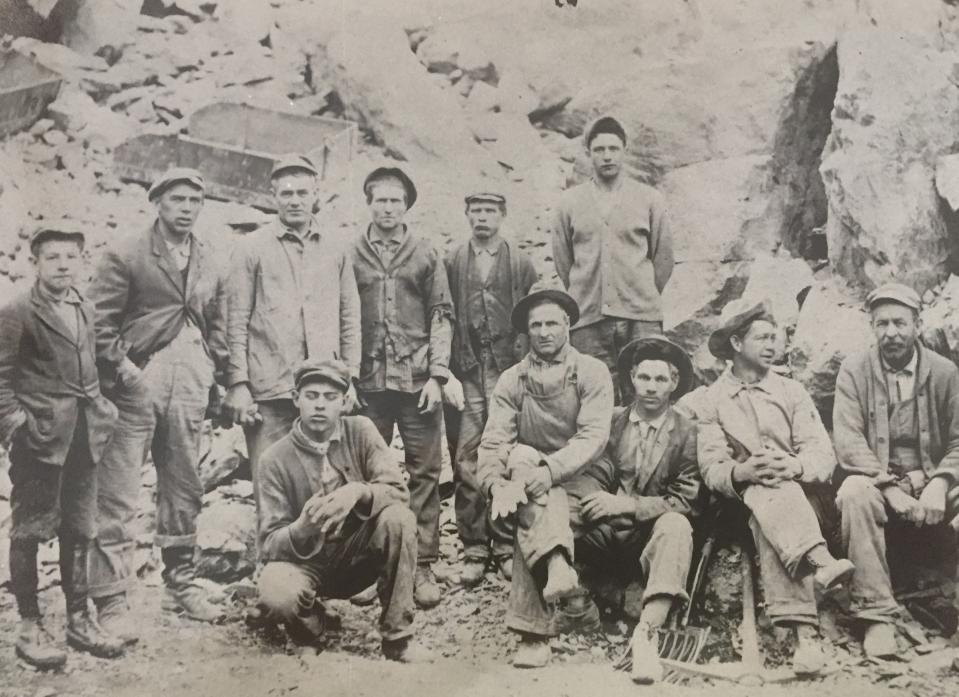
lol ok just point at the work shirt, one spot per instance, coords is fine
(740, 419)
(644, 432)
(484, 258)
(67, 308)
(613, 251)
(292, 297)
(902, 383)
(180, 253)
(406, 312)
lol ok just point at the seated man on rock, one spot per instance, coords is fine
(896, 420)
(333, 516)
(645, 526)
(761, 441)
(548, 421)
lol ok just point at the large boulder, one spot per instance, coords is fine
(940, 321)
(226, 534)
(895, 113)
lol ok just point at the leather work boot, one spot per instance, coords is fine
(577, 613)
(193, 601)
(113, 616)
(830, 572)
(474, 571)
(809, 657)
(84, 634)
(426, 591)
(407, 651)
(532, 652)
(37, 647)
(646, 666)
(880, 640)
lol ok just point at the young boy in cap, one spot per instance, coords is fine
(761, 441)
(292, 297)
(613, 249)
(896, 421)
(333, 516)
(406, 318)
(488, 276)
(55, 425)
(548, 422)
(643, 512)
(160, 344)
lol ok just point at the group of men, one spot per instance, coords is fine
(324, 345)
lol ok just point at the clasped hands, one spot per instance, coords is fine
(928, 509)
(326, 513)
(768, 467)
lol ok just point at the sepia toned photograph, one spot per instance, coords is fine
(454, 348)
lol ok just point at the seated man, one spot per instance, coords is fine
(653, 451)
(333, 516)
(896, 418)
(548, 421)
(761, 440)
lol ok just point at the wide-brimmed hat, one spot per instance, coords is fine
(894, 293)
(176, 175)
(656, 348)
(388, 172)
(734, 317)
(520, 316)
(331, 370)
(293, 163)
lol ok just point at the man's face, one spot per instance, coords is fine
(320, 404)
(485, 218)
(548, 329)
(654, 382)
(58, 262)
(387, 204)
(757, 349)
(179, 207)
(896, 328)
(295, 195)
(607, 152)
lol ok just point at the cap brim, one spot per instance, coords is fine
(520, 315)
(656, 348)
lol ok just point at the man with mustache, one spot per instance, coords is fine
(761, 442)
(406, 315)
(613, 249)
(549, 421)
(896, 421)
(160, 345)
(488, 276)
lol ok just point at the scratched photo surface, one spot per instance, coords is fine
(545, 347)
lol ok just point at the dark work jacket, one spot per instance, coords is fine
(510, 347)
(142, 301)
(47, 377)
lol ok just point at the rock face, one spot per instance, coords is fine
(896, 112)
(940, 321)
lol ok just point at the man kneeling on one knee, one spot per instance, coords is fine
(645, 526)
(334, 516)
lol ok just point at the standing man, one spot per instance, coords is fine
(55, 424)
(548, 422)
(761, 441)
(333, 516)
(406, 321)
(488, 276)
(292, 296)
(896, 419)
(160, 341)
(640, 522)
(613, 249)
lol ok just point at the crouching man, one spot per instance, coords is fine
(334, 516)
(896, 419)
(548, 421)
(644, 526)
(55, 425)
(761, 441)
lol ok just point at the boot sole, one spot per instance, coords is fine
(50, 664)
(98, 651)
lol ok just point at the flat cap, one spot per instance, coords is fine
(293, 162)
(735, 316)
(604, 124)
(176, 175)
(42, 234)
(485, 196)
(331, 370)
(390, 172)
(520, 315)
(894, 293)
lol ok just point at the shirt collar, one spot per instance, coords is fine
(375, 238)
(320, 448)
(733, 385)
(559, 358)
(908, 370)
(492, 250)
(71, 296)
(655, 424)
(283, 230)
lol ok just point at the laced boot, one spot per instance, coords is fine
(36, 645)
(183, 594)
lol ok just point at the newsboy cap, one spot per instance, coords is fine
(291, 163)
(735, 316)
(176, 175)
(390, 172)
(331, 370)
(487, 196)
(894, 293)
(656, 348)
(520, 315)
(42, 234)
